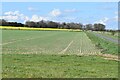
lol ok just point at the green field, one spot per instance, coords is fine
(109, 34)
(57, 54)
(47, 42)
(106, 46)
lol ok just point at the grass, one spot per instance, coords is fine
(57, 66)
(109, 34)
(106, 46)
(52, 54)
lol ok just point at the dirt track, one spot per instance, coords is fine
(107, 38)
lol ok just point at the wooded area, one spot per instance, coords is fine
(51, 24)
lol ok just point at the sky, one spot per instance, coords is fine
(77, 12)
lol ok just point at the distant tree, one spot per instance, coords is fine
(99, 27)
(64, 25)
(52, 24)
(73, 26)
(81, 25)
(30, 24)
(59, 25)
(6, 23)
(3, 22)
(41, 24)
(89, 27)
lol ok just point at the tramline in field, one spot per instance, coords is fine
(47, 42)
(46, 54)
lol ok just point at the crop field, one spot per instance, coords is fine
(35, 29)
(57, 54)
(47, 42)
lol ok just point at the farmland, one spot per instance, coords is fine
(106, 45)
(45, 54)
(109, 34)
(47, 42)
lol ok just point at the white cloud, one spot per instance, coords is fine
(55, 12)
(13, 16)
(32, 9)
(38, 18)
(8, 13)
(10, 17)
(17, 13)
(16, 16)
(25, 18)
(103, 21)
(71, 10)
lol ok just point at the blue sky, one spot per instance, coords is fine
(78, 12)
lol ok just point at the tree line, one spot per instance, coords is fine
(6, 23)
(51, 24)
